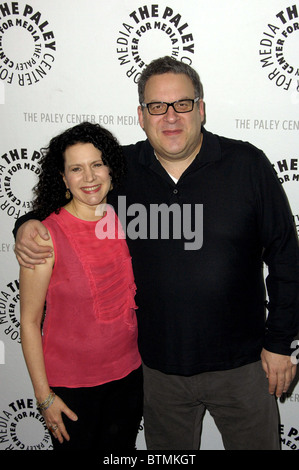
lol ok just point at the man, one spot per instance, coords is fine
(203, 337)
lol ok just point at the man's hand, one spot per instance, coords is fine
(280, 371)
(27, 251)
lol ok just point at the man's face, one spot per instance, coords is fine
(174, 136)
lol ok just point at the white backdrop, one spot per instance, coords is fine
(62, 62)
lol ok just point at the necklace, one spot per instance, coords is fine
(98, 214)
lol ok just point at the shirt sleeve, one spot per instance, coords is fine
(21, 220)
(281, 255)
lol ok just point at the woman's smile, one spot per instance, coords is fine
(91, 189)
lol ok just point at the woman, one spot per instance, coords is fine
(84, 365)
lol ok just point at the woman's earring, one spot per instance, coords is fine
(67, 194)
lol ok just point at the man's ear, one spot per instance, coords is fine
(140, 116)
(202, 111)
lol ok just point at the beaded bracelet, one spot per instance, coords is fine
(47, 402)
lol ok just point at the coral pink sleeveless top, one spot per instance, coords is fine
(90, 328)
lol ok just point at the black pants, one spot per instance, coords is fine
(108, 415)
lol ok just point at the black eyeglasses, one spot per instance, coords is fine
(180, 106)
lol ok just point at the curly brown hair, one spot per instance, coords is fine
(50, 189)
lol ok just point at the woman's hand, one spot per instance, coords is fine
(54, 421)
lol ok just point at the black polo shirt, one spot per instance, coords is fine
(204, 309)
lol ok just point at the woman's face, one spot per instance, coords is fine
(85, 174)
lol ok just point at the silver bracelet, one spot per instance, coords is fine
(47, 402)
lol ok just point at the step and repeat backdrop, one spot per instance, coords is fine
(62, 63)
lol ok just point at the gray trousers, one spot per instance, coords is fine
(238, 400)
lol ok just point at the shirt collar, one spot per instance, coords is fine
(210, 151)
